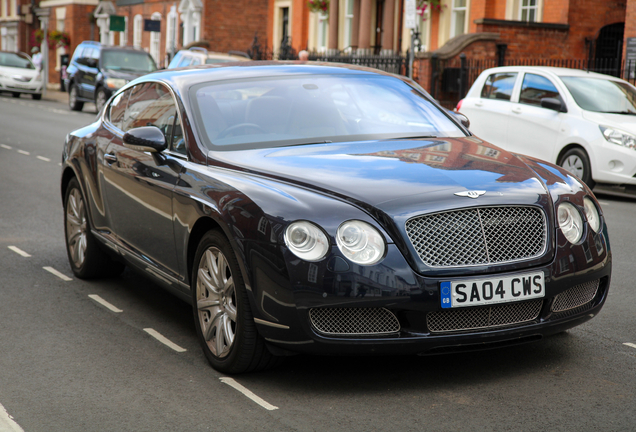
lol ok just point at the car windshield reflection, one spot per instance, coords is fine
(309, 109)
(602, 95)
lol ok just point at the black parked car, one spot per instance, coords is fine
(328, 209)
(96, 71)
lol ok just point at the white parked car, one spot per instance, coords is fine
(582, 121)
(19, 75)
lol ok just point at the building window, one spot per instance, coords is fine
(137, 26)
(123, 36)
(323, 31)
(348, 23)
(423, 30)
(458, 18)
(155, 38)
(528, 10)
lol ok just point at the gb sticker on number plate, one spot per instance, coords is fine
(492, 290)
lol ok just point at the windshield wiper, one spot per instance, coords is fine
(619, 112)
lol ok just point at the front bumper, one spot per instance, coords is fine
(283, 305)
(9, 85)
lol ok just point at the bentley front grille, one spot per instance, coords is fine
(485, 317)
(477, 236)
(575, 296)
(353, 321)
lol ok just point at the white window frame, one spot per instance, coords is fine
(323, 32)
(424, 24)
(172, 22)
(455, 10)
(155, 40)
(528, 8)
(137, 30)
(348, 22)
(123, 36)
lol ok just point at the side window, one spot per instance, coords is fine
(118, 108)
(78, 53)
(195, 61)
(499, 86)
(535, 88)
(151, 104)
(185, 61)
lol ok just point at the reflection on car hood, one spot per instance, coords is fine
(395, 175)
(10, 71)
(625, 122)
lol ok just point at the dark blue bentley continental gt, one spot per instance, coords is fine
(306, 207)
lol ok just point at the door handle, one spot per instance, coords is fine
(516, 110)
(110, 158)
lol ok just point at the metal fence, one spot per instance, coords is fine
(393, 63)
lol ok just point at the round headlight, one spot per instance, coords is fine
(570, 222)
(360, 242)
(306, 241)
(591, 213)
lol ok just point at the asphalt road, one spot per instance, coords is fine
(71, 363)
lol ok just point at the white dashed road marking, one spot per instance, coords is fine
(24, 152)
(630, 344)
(4, 146)
(57, 273)
(248, 393)
(7, 424)
(164, 340)
(104, 303)
(19, 251)
(45, 159)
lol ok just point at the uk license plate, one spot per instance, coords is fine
(492, 290)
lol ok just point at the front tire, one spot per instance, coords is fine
(36, 96)
(15, 94)
(86, 258)
(73, 103)
(223, 319)
(577, 162)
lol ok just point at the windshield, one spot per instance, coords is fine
(307, 109)
(601, 95)
(15, 60)
(128, 61)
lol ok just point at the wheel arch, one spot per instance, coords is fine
(199, 229)
(569, 147)
(67, 175)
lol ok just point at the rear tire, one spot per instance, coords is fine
(86, 258)
(577, 162)
(73, 103)
(36, 96)
(223, 319)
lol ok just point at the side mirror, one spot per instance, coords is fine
(145, 139)
(554, 104)
(462, 119)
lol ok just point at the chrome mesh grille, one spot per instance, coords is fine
(484, 317)
(575, 296)
(478, 236)
(353, 321)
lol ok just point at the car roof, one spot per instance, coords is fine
(185, 77)
(557, 71)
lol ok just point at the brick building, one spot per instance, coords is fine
(17, 23)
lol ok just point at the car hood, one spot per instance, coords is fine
(14, 71)
(625, 122)
(398, 177)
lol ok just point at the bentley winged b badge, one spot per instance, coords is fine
(470, 194)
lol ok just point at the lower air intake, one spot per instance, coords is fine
(485, 317)
(575, 296)
(353, 321)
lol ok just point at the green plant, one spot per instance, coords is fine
(59, 39)
(318, 6)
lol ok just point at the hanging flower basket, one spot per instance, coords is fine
(320, 6)
(423, 5)
(59, 39)
(37, 37)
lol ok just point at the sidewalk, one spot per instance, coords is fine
(54, 94)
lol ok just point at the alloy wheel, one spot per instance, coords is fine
(72, 97)
(76, 228)
(216, 302)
